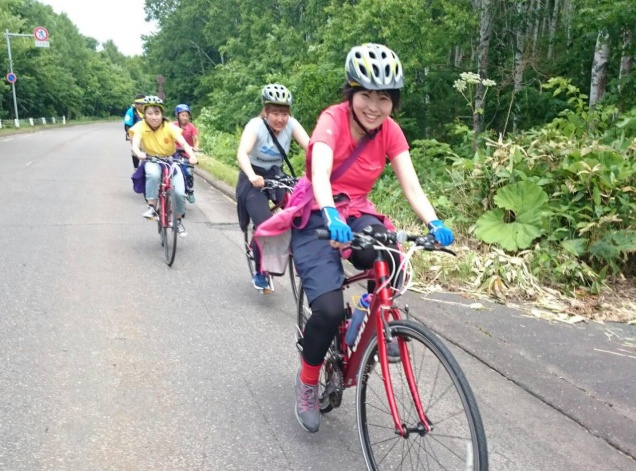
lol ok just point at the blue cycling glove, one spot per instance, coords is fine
(338, 229)
(442, 234)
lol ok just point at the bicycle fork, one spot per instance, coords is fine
(384, 333)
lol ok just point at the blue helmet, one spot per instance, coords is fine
(181, 108)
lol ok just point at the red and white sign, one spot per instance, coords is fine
(40, 33)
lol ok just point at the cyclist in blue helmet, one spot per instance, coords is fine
(191, 134)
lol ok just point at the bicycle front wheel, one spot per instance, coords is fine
(170, 227)
(456, 439)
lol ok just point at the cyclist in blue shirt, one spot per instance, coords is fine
(132, 116)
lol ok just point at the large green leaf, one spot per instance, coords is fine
(518, 220)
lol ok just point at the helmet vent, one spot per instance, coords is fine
(374, 67)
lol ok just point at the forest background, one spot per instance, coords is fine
(521, 116)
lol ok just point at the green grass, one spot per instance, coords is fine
(5, 131)
(218, 170)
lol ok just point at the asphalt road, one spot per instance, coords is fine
(110, 360)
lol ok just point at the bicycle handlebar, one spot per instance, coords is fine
(367, 239)
(168, 159)
(285, 182)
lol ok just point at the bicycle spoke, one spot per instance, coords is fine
(447, 448)
(388, 452)
(455, 440)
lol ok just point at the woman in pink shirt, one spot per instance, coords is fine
(189, 130)
(191, 134)
(372, 92)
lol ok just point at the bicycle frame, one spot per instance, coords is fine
(381, 311)
(165, 184)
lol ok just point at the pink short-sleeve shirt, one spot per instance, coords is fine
(189, 131)
(333, 129)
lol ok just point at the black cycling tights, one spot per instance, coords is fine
(327, 310)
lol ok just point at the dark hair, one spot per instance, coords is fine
(348, 91)
(139, 95)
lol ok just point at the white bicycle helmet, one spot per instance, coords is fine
(374, 67)
(276, 94)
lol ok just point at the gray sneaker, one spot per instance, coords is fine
(181, 230)
(307, 406)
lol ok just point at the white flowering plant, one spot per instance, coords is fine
(466, 85)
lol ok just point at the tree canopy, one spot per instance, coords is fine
(71, 77)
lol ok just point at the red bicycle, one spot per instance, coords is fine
(418, 412)
(166, 204)
(286, 183)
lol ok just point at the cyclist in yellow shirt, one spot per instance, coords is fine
(158, 137)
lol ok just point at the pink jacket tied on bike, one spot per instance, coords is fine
(273, 236)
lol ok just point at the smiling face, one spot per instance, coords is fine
(277, 117)
(153, 116)
(372, 107)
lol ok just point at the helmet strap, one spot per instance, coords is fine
(369, 134)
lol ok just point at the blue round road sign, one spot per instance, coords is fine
(11, 77)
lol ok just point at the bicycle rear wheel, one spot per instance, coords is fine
(303, 311)
(293, 278)
(456, 439)
(249, 254)
(170, 227)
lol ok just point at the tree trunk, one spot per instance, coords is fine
(567, 15)
(520, 41)
(459, 57)
(485, 30)
(599, 68)
(535, 19)
(553, 27)
(627, 59)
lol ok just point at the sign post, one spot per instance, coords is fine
(41, 35)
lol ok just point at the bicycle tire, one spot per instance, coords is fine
(158, 210)
(457, 439)
(293, 278)
(170, 228)
(249, 254)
